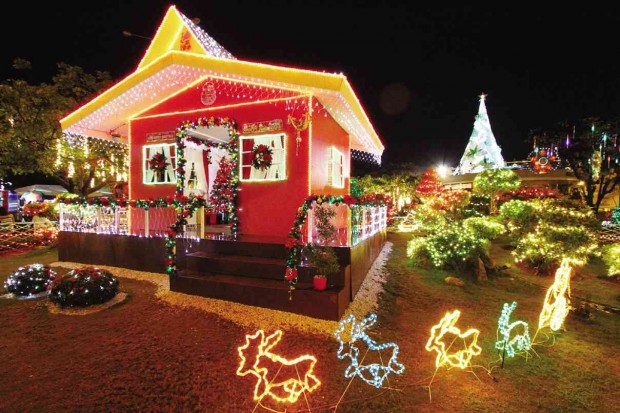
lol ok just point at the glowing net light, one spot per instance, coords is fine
(443, 336)
(557, 300)
(519, 330)
(298, 376)
(373, 374)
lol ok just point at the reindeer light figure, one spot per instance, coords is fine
(373, 374)
(443, 336)
(557, 300)
(520, 340)
(279, 378)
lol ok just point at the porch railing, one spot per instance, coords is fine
(353, 224)
(151, 222)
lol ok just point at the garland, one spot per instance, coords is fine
(262, 156)
(161, 202)
(233, 152)
(188, 209)
(294, 245)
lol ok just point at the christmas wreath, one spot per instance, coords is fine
(262, 156)
(158, 163)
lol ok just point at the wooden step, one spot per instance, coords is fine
(329, 304)
(266, 247)
(258, 267)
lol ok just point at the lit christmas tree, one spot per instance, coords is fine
(429, 185)
(482, 151)
(222, 194)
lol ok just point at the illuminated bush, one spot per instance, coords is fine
(427, 219)
(520, 217)
(30, 280)
(478, 206)
(450, 247)
(485, 227)
(547, 230)
(611, 257)
(450, 201)
(544, 248)
(83, 286)
(493, 182)
(527, 194)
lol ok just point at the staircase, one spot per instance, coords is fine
(250, 270)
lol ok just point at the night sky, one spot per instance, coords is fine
(417, 69)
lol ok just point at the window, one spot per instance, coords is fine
(277, 170)
(335, 169)
(165, 154)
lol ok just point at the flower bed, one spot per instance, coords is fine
(83, 287)
(30, 280)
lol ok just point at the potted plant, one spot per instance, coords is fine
(325, 262)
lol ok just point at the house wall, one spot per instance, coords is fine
(326, 132)
(266, 208)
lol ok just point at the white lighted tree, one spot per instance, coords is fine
(482, 151)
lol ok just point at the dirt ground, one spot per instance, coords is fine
(147, 356)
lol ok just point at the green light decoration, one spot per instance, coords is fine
(520, 340)
(615, 215)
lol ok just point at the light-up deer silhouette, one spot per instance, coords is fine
(557, 300)
(520, 340)
(279, 378)
(443, 336)
(373, 374)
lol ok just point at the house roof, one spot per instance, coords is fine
(166, 68)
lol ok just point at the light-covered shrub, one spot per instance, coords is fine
(450, 247)
(485, 227)
(544, 248)
(83, 286)
(30, 280)
(520, 217)
(611, 257)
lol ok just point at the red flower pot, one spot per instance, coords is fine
(320, 283)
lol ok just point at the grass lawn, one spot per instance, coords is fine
(145, 355)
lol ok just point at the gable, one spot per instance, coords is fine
(178, 33)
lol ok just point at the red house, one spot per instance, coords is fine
(190, 112)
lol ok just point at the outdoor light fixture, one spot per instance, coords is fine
(443, 170)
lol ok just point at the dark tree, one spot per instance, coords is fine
(591, 148)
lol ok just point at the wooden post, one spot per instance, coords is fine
(200, 220)
(146, 223)
(349, 227)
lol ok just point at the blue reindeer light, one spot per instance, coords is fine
(520, 340)
(373, 374)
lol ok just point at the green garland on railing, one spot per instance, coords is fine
(295, 246)
(183, 206)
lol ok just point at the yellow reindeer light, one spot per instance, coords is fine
(441, 342)
(557, 300)
(281, 379)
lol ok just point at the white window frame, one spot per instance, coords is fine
(147, 173)
(335, 168)
(268, 174)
